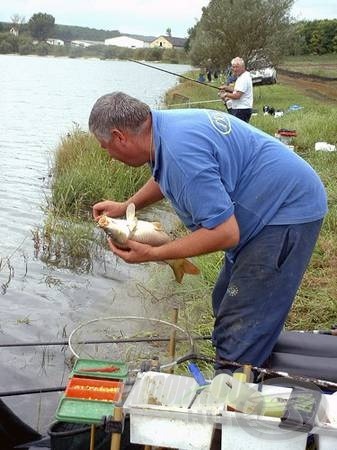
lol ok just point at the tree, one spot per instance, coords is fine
(169, 32)
(17, 21)
(41, 26)
(248, 29)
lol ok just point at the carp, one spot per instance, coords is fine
(152, 233)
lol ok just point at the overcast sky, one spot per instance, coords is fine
(147, 17)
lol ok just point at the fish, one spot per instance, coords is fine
(152, 233)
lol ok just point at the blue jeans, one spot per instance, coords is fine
(243, 114)
(253, 294)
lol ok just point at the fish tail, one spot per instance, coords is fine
(182, 266)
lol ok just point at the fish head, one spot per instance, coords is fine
(116, 229)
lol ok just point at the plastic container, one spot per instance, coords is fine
(100, 369)
(75, 410)
(93, 389)
(169, 403)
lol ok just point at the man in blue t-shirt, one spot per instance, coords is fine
(236, 189)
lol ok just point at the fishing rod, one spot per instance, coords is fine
(175, 74)
(332, 332)
(111, 341)
(195, 356)
(225, 364)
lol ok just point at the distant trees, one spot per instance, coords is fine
(229, 28)
(41, 25)
(314, 37)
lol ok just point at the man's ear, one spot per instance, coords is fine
(118, 135)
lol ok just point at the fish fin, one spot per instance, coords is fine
(182, 266)
(158, 226)
(131, 218)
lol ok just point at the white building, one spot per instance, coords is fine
(85, 44)
(126, 41)
(53, 41)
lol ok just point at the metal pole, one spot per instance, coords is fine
(172, 343)
(92, 437)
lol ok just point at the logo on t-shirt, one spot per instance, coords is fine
(220, 121)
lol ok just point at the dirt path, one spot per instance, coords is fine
(325, 91)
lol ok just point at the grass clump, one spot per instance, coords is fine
(83, 174)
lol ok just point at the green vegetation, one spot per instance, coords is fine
(41, 26)
(321, 65)
(82, 175)
(255, 30)
(317, 37)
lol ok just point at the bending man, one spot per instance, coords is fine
(237, 189)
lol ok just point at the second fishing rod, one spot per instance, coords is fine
(181, 76)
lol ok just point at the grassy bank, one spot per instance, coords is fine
(83, 175)
(321, 65)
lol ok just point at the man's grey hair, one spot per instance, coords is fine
(238, 61)
(117, 110)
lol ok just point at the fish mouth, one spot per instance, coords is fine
(103, 222)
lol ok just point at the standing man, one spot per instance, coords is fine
(236, 189)
(241, 95)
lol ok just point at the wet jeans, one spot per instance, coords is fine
(253, 294)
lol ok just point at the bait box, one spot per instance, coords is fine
(94, 389)
(82, 364)
(75, 410)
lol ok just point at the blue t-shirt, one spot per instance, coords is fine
(211, 165)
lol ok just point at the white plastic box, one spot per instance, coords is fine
(159, 416)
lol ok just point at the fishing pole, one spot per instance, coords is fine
(225, 364)
(332, 332)
(44, 390)
(175, 74)
(111, 341)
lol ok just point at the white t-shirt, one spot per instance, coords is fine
(244, 84)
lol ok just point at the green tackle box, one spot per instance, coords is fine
(83, 411)
(116, 370)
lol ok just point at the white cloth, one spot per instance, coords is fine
(244, 84)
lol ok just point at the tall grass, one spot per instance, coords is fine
(84, 174)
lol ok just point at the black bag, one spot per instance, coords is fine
(71, 436)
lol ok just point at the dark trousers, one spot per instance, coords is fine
(243, 114)
(253, 294)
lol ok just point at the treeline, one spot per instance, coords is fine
(316, 37)
(67, 32)
(24, 45)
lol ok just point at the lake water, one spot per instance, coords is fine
(41, 100)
